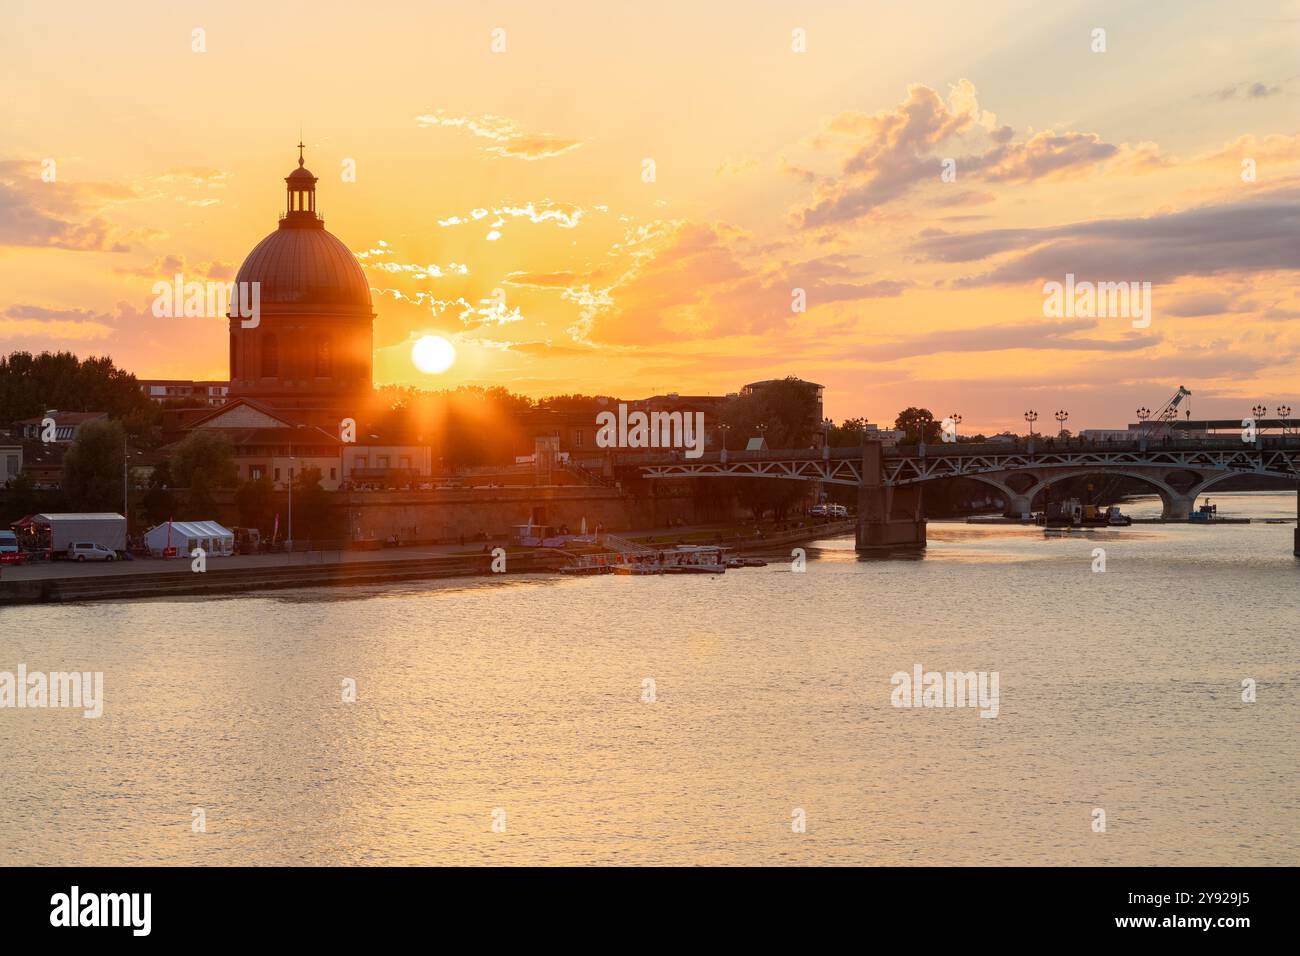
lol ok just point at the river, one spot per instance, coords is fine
(691, 719)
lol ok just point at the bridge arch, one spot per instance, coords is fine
(1208, 480)
(1174, 504)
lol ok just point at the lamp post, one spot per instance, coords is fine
(1258, 412)
(1284, 413)
(956, 420)
(1062, 416)
(1143, 414)
(723, 428)
(1031, 417)
(922, 423)
(827, 425)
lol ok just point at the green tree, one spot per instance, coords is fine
(255, 500)
(158, 504)
(310, 506)
(31, 384)
(93, 467)
(204, 456)
(918, 424)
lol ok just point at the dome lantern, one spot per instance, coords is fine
(301, 196)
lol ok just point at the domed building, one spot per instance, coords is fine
(311, 352)
(301, 388)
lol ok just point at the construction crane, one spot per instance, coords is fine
(1149, 427)
(1164, 418)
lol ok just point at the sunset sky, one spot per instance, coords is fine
(775, 170)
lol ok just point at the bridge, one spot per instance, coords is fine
(890, 478)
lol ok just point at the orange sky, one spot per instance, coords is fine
(523, 171)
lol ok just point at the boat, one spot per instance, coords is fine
(1116, 519)
(638, 569)
(696, 559)
(1206, 512)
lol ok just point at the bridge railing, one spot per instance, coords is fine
(1040, 445)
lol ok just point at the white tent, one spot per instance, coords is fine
(185, 536)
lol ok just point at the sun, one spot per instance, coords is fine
(433, 354)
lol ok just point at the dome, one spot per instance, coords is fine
(301, 173)
(306, 267)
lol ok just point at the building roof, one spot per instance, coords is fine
(79, 516)
(778, 381)
(305, 267)
(302, 265)
(64, 418)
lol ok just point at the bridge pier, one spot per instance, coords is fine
(877, 504)
(1019, 505)
(1176, 507)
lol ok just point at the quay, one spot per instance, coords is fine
(61, 581)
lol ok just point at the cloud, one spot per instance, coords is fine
(1206, 303)
(508, 140)
(892, 152)
(997, 338)
(1242, 237)
(684, 280)
(1246, 91)
(56, 215)
(34, 322)
(164, 267)
(208, 176)
(1044, 155)
(562, 215)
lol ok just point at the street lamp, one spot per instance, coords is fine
(923, 422)
(1062, 416)
(1031, 417)
(1258, 411)
(1284, 413)
(1143, 414)
(724, 428)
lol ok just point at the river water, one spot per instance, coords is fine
(507, 721)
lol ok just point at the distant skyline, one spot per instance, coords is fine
(524, 171)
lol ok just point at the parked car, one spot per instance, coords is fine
(89, 551)
(9, 553)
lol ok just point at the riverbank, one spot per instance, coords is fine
(64, 582)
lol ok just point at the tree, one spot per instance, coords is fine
(93, 468)
(787, 414)
(919, 425)
(256, 503)
(310, 505)
(205, 457)
(158, 504)
(847, 434)
(29, 385)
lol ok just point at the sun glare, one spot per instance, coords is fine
(433, 354)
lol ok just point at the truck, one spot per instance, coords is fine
(9, 553)
(104, 528)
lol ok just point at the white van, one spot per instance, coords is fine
(89, 551)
